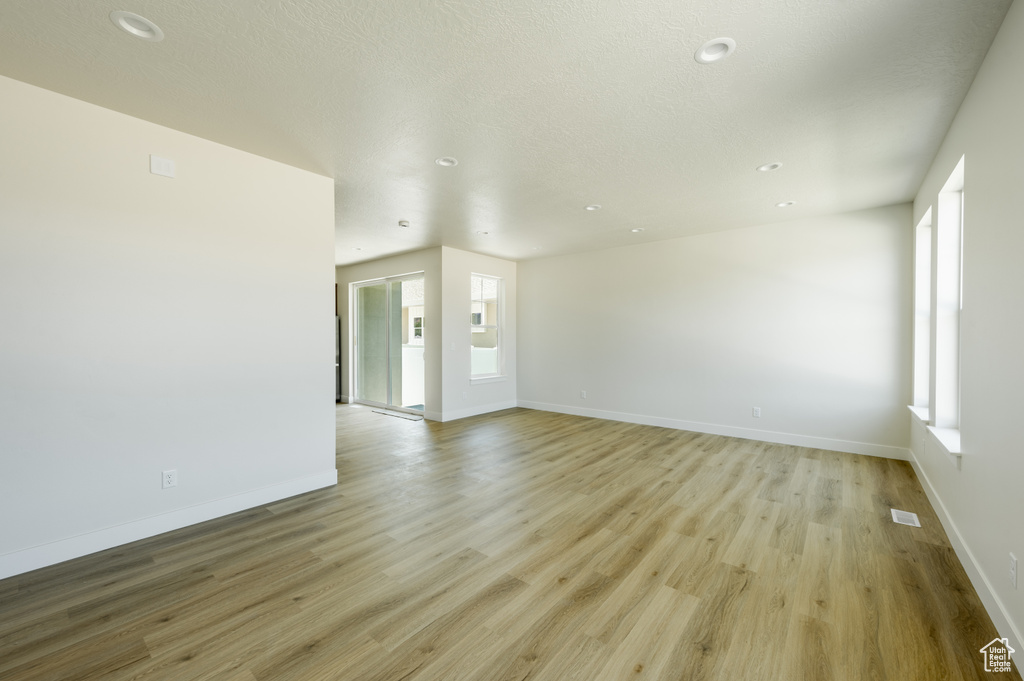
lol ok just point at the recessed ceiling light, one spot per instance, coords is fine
(403, 223)
(482, 233)
(140, 27)
(637, 230)
(447, 161)
(768, 167)
(784, 204)
(356, 248)
(715, 50)
(535, 248)
(593, 206)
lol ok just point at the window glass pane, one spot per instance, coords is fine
(922, 310)
(949, 237)
(484, 323)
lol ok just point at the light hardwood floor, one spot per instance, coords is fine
(527, 545)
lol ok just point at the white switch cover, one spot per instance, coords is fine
(161, 166)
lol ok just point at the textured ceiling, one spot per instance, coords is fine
(549, 105)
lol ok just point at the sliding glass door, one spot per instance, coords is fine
(388, 342)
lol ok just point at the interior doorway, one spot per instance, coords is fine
(389, 332)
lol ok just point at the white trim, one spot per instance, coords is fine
(866, 448)
(455, 414)
(920, 412)
(993, 604)
(947, 440)
(497, 378)
(19, 562)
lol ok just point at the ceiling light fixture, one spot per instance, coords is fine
(768, 167)
(403, 223)
(784, 204)
(593, 206)
(482, 233)
(637, 230)
(140, 27)
(447, 161)
(715, 50)
(356, 248)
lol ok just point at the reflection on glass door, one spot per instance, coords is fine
(371, 343)
(389, 341)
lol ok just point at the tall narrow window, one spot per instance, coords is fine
(946, 302)
(923, 314)
(485, 326)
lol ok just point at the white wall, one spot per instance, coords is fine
(808, 320)
(426, 261)
(446, 337)
(982, 502)
(149, 324)
(462, 395)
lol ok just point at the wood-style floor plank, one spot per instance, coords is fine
(526, 545)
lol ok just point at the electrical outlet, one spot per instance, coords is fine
(1013, 570)
(583, 394)
(756, 412)
(170, 478)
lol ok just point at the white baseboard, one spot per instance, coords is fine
(993, 604)
(19, 562)
(867, 448)
(454, 414)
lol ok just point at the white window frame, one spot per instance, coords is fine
(497, 324)
(923, 316)
(945, 241)
(947, 288)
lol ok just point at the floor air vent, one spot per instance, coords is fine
(905, 518)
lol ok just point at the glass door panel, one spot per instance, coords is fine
(395, 343)
(371, 343)
(389, 342)
(407, 386)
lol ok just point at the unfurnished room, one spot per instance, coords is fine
(452, 340)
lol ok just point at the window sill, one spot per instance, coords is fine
(488, 379)
(920, 412)
(946, 440)
(949, 438)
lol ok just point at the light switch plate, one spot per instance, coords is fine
(161, 166)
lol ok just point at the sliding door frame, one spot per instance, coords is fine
(353, 350)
